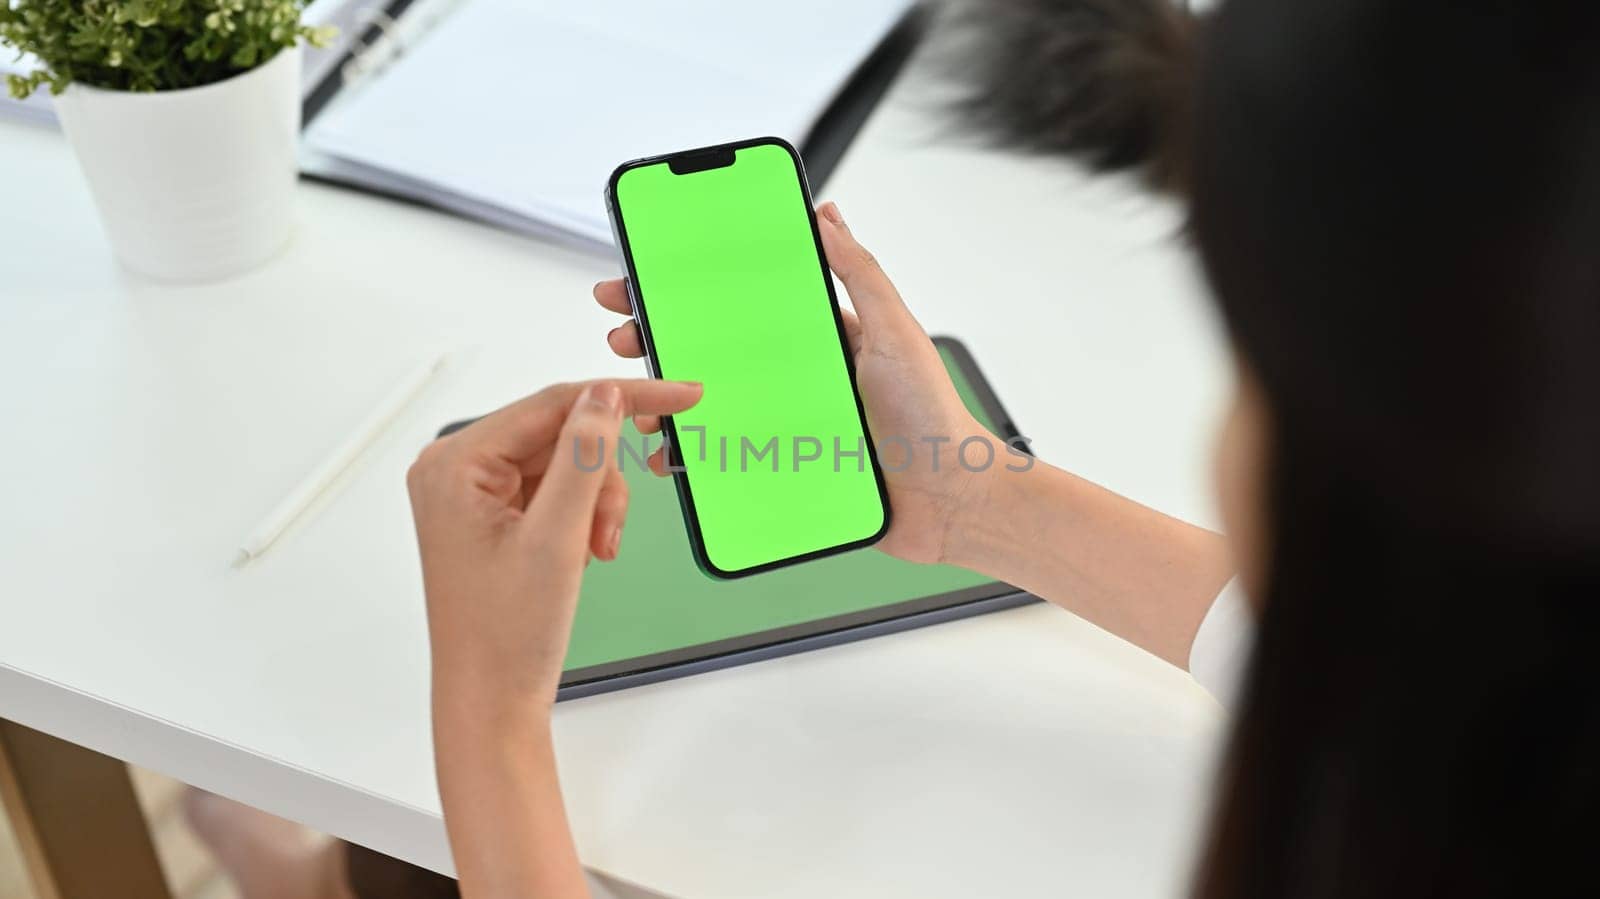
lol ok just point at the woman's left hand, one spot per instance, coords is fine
(508, 513)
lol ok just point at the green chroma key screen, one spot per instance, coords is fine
(647, 607)
(733, 294)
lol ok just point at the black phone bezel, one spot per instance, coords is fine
(680, 477)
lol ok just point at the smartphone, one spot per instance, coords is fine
(729, 286)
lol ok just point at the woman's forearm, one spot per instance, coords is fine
(1144, 576)
(502, 798)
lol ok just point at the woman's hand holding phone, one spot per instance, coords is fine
(917, 418)
(1131, 570)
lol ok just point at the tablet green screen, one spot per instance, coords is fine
(653, 599)
(734, 295)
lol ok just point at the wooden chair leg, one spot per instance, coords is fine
(82, 833)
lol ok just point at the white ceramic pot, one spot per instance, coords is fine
(194, 184)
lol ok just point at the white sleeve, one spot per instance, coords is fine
(1222, 645)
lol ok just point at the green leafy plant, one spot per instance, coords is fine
(148, 45)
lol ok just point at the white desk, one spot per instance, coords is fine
(148, 427)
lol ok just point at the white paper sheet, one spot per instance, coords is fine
(525, 106)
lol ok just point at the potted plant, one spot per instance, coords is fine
(184, 115)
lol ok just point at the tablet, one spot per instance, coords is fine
(651, 615)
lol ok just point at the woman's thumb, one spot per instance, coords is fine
(876, 301)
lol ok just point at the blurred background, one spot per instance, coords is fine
(190, 870)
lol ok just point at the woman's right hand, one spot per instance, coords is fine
(918, 421)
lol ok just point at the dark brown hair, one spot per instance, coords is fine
(1106, 82)
(1397, 205)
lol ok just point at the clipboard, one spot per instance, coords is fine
(639, 617)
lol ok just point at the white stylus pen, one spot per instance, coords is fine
(304, 494)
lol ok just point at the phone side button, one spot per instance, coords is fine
(633, 306)
(633, 302)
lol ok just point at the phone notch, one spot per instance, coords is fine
(689, 163)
